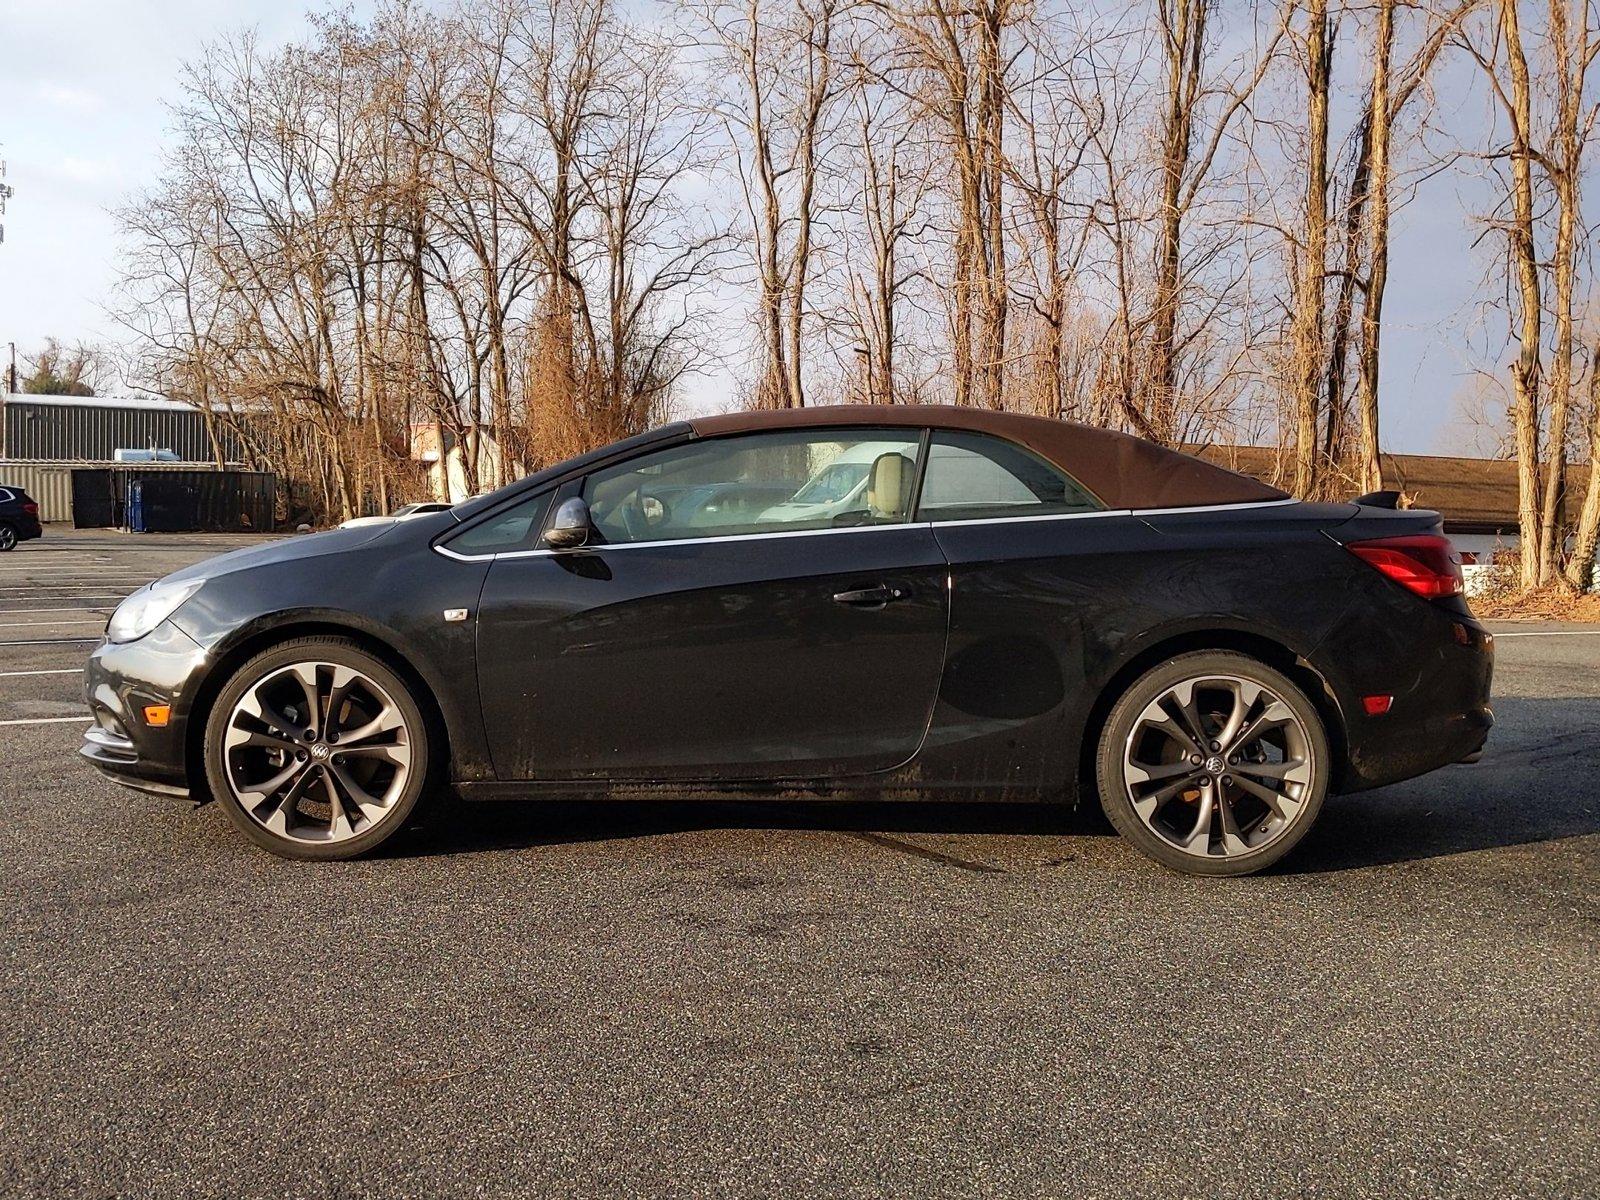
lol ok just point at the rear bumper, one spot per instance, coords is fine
(120, 681)
(1440, 712)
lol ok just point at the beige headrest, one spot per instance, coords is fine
(889, 490)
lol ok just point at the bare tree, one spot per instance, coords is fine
(777, 106)
(1571, 48)
(1544, 282)
(1308, 335)
(881, 211)
(1200, 106)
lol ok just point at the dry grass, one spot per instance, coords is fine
(1541, 604)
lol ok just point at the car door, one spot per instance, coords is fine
(1039, 575)
(716, 629)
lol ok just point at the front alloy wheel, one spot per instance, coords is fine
(317, 750)
(1213, 764)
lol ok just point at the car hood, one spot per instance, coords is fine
(312, 545)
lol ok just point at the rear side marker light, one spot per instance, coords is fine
(1423, 563)
(31, 509)
(157, 715)
(1376, 706)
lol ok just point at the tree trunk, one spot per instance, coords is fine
(1309, 334)
(1380, 122)
(1562, 166)
(1580, 567)
(1185, 40)
(1525, 371)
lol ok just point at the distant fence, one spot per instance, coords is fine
(102, 490)
(215, 501)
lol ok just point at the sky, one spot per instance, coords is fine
(84, 89)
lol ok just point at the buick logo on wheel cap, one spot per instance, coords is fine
(319, 751)
(1214, 764)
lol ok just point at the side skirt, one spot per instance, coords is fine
(775, 790)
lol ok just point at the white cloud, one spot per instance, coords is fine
(72, 99)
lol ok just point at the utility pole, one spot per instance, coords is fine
(6, 192)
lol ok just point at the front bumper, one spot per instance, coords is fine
(164, 667)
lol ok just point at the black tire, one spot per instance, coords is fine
(1227, 853)
(8, 537)
(339, 653)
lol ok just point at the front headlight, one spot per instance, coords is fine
(148, 607)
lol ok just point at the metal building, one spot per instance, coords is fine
(63, 451)
(92, 429)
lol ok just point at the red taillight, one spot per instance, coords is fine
(31, 509)
(1424, 563)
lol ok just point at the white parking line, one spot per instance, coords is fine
(72, 568)
(90, 608)
(45, 624)
(81, 717)
(79, 578)
(14, 584)
(1551, 633)
(51, 671)
(62, 641)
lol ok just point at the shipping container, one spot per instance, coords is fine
(208, 501)
(48, 483)
(95, 495)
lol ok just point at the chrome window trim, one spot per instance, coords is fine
(1067, 516)
(1193, 508)
(794, 533)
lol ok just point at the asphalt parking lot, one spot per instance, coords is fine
(747, 1000)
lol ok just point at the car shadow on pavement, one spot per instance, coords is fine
(517, 824)
(1539, 781)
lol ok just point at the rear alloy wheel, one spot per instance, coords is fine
(317, 750)
(1213, 764)
(8, 538)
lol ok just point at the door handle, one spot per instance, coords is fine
(873, 597)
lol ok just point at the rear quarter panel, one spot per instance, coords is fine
(1045, 613)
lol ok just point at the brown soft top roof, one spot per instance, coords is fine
(1123, 471)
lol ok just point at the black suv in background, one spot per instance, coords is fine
(19, 517)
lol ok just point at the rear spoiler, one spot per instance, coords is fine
(1387, 498)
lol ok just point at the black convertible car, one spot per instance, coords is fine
(897, 603)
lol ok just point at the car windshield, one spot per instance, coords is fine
(832, 484)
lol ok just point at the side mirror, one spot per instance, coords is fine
(570, 527)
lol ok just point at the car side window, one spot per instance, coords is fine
(972, 476)
(786, 480)
(514, 528)
(5, 496)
